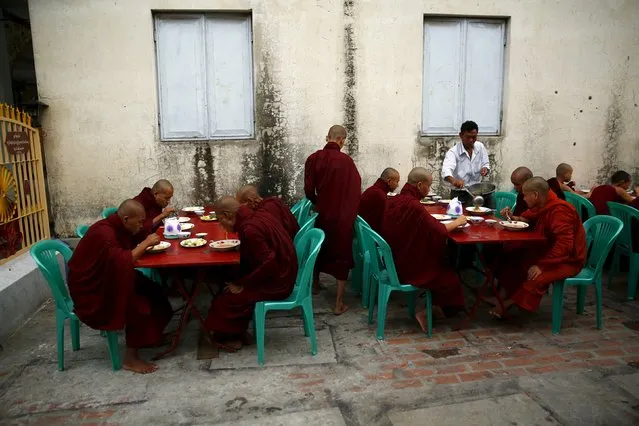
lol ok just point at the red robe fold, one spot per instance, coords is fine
(372, 204)
(332, 183)
(520, 206)
(601, 195)
(107, 292)
(418, 242)
(276, 207)
(268, 265)
(152, 210)
(561, 256)
(556, 188)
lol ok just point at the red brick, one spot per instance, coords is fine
(471, 377)
(388, 375)
(511, 372)
(584, 346)
(403, 384)
(460, 368)
(413, 357)
(445, 379)
(484, 333)
(486, 365)
(298, 376)
(541, 370)
(516, 362)
(312, 383)
(453, 335)
(578, 355)
(53, 420)
(608, 362)
(399, 341)
(548, 359)
(610, 352)
(419, 372)
(453, 344)
(609, 343)
(425, 362)
(493, 355)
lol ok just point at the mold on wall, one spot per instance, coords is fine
(203, 176)
(350, 101)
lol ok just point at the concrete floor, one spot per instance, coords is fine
(511, 373)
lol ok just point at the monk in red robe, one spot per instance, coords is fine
(562, 180)
(109, 294)
(268, 269)
(418, 242)
(526, 274)
(615, 192)
(518, 177)
(333, 184)
(155, 201)
(372, 205)
(275, 206)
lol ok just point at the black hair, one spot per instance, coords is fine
(468, 126)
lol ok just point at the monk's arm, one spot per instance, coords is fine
(564, 231)
(264, 257)
(149, 241)
(309, 181)
(624, 195)
(565, 187)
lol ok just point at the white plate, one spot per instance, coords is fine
(514, 225)
(475, 219)
(192, 208)
(584, 190)
(436, 197)
(444, 201)
(201, 234)
(441, 216)
(187, 226)
(466, 225)
(391, 194)
(208, 218)
(193, 242)
(428, 202)
(490, 221)
(477, 210)
(184, 219)
(159, 247)
(224, 245)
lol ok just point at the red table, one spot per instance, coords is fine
(484, 233)
(177, 256)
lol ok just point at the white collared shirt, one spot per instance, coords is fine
(459, 165)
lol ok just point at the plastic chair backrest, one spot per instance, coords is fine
(310, 224)
(581, 204)
(383, 260)
(81, 230)
(307, 248)
(601, 233)
(359, 233)
(504, 199)
(301, 210)
(627, 215)
(45, 255)
(108, 212)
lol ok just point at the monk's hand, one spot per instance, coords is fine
(484, 171)
(152, 240)
(462, 220)
(234, 288)
(533, 272)
(167, 211)
(458, 183)
(505, 212)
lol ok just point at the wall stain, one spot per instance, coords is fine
(612, 136)
(350, 102)
(204, 176)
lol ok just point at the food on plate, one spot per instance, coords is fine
(192, 208)
(223, 245)
(184, 219)
(187, 226)
(441, 216)
(193, 242)
(208, 218)
(161, 246)
(514, 225)
(201, 234)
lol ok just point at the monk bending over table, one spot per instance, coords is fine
(418, 242)
(275, 206)
(615, 192)
(109, 294)
(563, 174)
(526, 274)
(372, 204)
(333, 184)
(518, 177)
(155, 201)
(268, 269)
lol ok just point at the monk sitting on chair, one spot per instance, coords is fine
(562, 180)
(526, 274)
(155, 201)
(268, 269)
(615, 192)
(333, 184)
(418, 243)
(275, 206)
(372, 205)
(517, 178)
(109, 294)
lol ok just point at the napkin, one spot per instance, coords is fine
(454, 207)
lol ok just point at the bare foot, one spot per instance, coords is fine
(422, 320)
(136, 365)
(340, 309)
(500, 313)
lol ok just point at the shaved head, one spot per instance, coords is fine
(226, 211)
(336, 132)
(389, 173)
(521, 175)
(132, 215)
(537, 184)
(162, 185)
(419, 174)
(162, 192)
(248, 195)
(563, 169)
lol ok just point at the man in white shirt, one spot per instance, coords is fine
(467, 161)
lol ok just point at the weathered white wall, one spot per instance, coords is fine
(95, 63)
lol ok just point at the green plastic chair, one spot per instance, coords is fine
(45, 255)
(302, 210)
(310, 224)
(386, 281)
(307, 249)
(504, 199)
(623, 246)
(81, 230)
(582, 205)
(601, 233)
(108, 212)
(362, 249)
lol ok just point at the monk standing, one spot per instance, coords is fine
(615, 192)
(248, 195)
(418, 242)
(155, 201)
(372, 205)
(333, 184)
(109, 294)
(526, 274)
(518, 177)
(268, 269)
